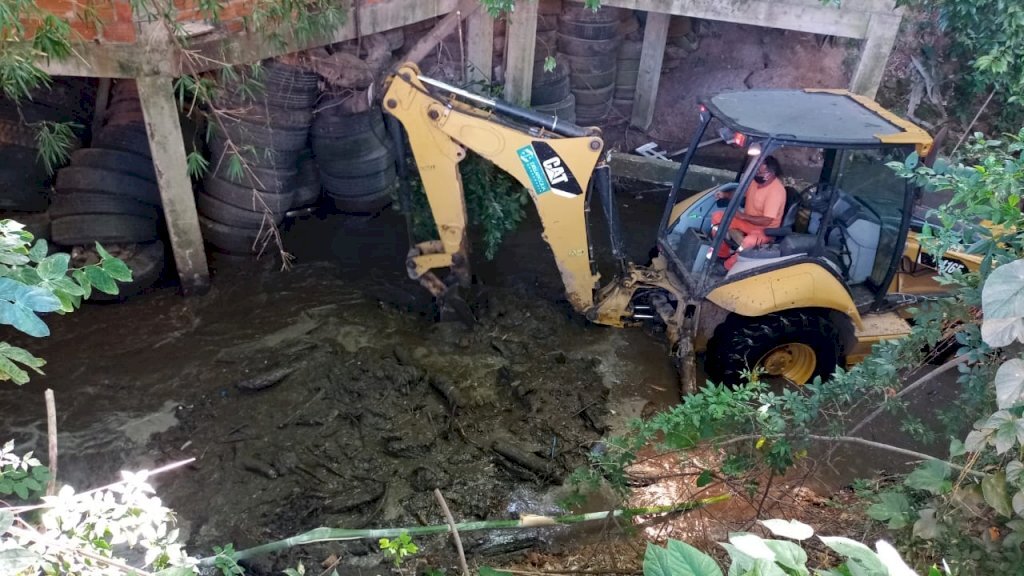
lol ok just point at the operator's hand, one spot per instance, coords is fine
(720, 195)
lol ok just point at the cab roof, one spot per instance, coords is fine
(827, 118)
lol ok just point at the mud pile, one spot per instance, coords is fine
(351, 417)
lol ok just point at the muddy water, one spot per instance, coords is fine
(327, 395)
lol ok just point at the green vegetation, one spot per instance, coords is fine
(987, 39)
(494, 204)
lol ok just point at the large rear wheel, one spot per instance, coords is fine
(789, 348)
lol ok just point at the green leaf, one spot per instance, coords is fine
(21, 490)
(117, 269)
(488, 571)
(927, 526)
(1002, 300)
(16, 560)
(1017, 502)
(66, 285)
(83, 281)
(912, 160)
(704, 479)
(685, 560)
(34, 298)
(994, 488)
(41, 473)
(862, 561)
(100, 280)
(956, 448)
(38, 251)
(892, 507)
(1009, 384)
(31, 484)
(23, 319)
(54, 266)
(791, 557)
(1006, 436)
(789, 529)
(10, 371)
(1015, 473)
(6, 520)
(931, 476)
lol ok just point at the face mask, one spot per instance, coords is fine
(760, 179)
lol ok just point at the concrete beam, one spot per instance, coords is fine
(134, 60)
(874, 54)
(800, 15)
(522, 46)
(663, 172)
(479, 47)
(651, 57)
(166, 145)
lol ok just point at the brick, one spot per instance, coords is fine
(83, 30)
(123, 11)
(119, 32)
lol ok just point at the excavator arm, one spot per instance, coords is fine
(554, 162)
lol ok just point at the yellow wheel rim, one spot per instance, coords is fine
(794, 362)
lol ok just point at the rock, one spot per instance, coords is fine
(425, 479)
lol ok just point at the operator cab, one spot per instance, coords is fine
(852, 218)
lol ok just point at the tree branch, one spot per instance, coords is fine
(446, 26)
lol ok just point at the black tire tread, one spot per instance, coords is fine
(102, 228)
(740, 341)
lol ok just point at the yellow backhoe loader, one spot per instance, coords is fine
(818, 296)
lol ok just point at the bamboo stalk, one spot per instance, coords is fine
(324, 534)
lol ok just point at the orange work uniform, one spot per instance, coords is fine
(762, 200)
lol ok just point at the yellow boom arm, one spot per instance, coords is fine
(556, 171)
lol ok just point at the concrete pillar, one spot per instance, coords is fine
(655, 38)
(874, 53)
(168, 149)
(522, 45)
(479, 47)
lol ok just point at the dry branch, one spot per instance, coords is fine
(446, 26)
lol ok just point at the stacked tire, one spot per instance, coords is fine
(551, 92)
(355, 158)
(627, 68)
(109, 195)
(25, 182)
(255, 148)
(589, 42)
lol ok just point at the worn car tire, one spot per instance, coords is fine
(220, 211)
(550, 93)
(589, 64)
(254, 156)
(597, 97)
(631, 50)
(230, 239)
(587, 48)
(116, 161)
(244, 196)
(331, 124)
(75, 203)
(593, 81)
(243, 133)
(358, 186)
(371, 161)
(130, 138)
(269, 180)
(740, 343)
(103, 228)
(74, 178)
(589, 30)
(564, 110)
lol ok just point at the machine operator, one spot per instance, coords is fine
(763, 208)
